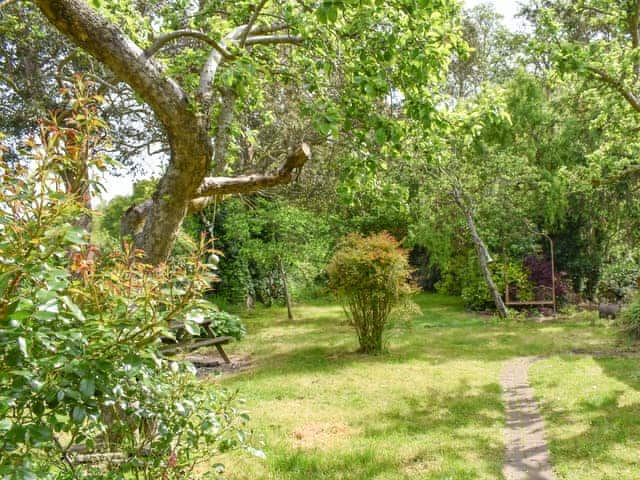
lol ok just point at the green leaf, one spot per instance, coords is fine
(75, 235)
(40, 434)
(192, 327)
(332, 13)
(73, 308)
(5, 424)
(78, 414)
(87, 387)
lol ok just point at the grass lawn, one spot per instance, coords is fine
(430, 408)
(592, 411)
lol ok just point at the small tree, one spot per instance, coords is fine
(370, 277)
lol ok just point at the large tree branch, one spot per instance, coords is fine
(187, 130)
(269, 28)
(109, 44)
(257, 35)
(212, 186)
(223, 134)
(162, 40)
(634, 20)
(616, 85)
(210, 68)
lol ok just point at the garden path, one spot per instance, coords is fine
(527, 451)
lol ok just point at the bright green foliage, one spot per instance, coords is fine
(370, 278)
(592, 47)
(461, 276)
(260, 237)
(226, 324)
(475, 293)
(630, 319)
(79, 337)
(531, 174)
(352, 57)
(619, 280)
(111, 214)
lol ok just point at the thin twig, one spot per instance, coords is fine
(166, 38)
(252, 20)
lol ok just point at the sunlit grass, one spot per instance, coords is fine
(430, 408)
(592, 412)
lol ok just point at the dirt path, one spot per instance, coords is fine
(527, 451)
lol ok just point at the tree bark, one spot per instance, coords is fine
(285, 285)
(482, 251)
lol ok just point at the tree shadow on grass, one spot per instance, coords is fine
(329, 348)
(625, 370)
(461, 424)
(600, 433)
(453, 435)
(610, 425)
(320, 341)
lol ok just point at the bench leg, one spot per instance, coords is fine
(222, 354)
(209, 331)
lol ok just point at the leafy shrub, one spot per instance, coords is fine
(540, 273)
(80, 371)
(618, 280)
(226, 324)
(370, 277)
(262, 239)
(474, 291)
(630, 319)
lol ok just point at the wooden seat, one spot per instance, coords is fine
(196, 343)
(529, 302)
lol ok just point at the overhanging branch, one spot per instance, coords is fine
(252, 20)
(617, 85)
(110, 45)
(213, 186)
(269, 28)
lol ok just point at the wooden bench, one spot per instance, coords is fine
(195, 343)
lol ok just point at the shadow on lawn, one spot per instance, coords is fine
(328, 347)
(456, 428)
(456, 419)
(609, 425)
(625, 370)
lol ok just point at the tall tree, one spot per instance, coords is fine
(230, 47)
